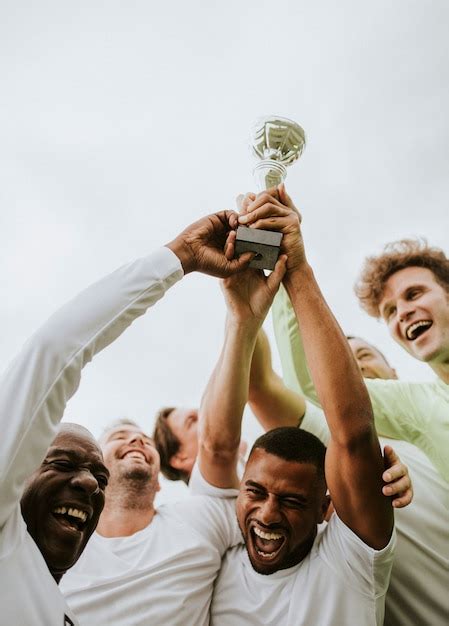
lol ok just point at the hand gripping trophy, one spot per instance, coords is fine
(277, 142)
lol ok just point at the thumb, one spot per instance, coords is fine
(284, 197)
(276, 276)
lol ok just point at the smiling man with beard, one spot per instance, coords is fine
(62, 487)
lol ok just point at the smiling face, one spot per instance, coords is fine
(278, 508)
(64, 497)
(130, 454)
(371, 362)
(184, 425)
(415, 308)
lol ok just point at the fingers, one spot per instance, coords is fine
(390, 459)
(268, 210)
(237, 265)
(244, 200)
(276, 276)
(264, 198)
(399, 485)
(403, 500)
(284, 197)
(229, 249)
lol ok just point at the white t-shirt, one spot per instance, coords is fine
(419, 584)
(33, 394)
(342, 581)
(161, 575)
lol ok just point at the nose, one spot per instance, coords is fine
(404, 310)
(85, 481)
(137, 438)
(269, 511)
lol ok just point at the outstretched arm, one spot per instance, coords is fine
(271, 401)
(354, 462)
(248, 298)
(38, 384)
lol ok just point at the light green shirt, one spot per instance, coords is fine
(414, 412)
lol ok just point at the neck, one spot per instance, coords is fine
(441, 370)
(129, 507)
(57, 575)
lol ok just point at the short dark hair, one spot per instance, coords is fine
(397, 256)
(293, 444)
(167, 444)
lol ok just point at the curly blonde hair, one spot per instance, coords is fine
(397, 256)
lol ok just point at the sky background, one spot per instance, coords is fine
(122, 123)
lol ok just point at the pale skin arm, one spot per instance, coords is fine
(272, 403)
(354, 463)
(248, 298)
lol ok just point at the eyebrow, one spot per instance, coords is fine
(74, 456)
(126, 432)
(364, 349)
(298, 496)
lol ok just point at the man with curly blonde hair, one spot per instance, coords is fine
(407, 285)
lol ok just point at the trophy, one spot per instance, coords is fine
(277, 142)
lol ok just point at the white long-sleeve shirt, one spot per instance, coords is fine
(33, 394)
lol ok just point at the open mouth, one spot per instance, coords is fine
(71, 517)
(416, 329)
(267, 544)
(134, 454)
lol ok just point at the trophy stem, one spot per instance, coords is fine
(269, 173)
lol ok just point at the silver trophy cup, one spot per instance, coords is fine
(277, 142)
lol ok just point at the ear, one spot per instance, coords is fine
(327, 508)
(178, 461)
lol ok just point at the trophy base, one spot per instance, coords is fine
(265, 243)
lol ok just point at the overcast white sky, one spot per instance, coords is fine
(123, 122)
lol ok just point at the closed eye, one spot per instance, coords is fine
(62, 464)
(293, 503)
(389, 312)
(102, 480)
(413, 293)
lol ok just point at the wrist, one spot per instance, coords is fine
(243, 328)
(298, 276)
(182, 250)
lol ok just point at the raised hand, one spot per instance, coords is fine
(201, 246)
(250, 294)
(274, 210)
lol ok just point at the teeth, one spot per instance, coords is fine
(264, 535)
(135, 454)
(62, 510)
(411, 329)
(265, 555)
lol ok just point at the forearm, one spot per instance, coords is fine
(291, 348)
(222, 407)
(272, 403)
(37, 386)
(226, 394)
(338, 382)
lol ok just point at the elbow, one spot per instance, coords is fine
(221, 452)
(357, 434)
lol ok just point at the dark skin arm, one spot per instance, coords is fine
(354, 463)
